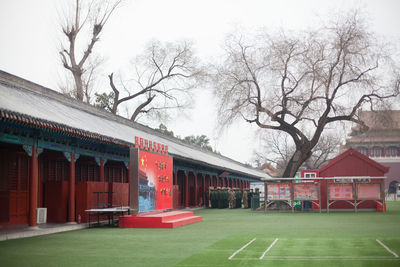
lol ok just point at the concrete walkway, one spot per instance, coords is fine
(21, 231)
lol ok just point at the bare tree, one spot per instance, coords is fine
(278, 148)
(300, 83)
(162, 80)
(86, 19)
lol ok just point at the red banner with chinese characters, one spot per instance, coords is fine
(368, 191)
(155, 181)
(341, 191)
(305, 191)
(278, 191)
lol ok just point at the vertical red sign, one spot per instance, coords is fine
(157, 177)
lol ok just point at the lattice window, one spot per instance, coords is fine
(392, 151)
(362, 150)
(23, 172)
(115, 172)
(55, 170)
(87, 170)
(12, 173)
(376, 151)
(3, 173)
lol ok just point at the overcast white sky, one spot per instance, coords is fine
(29, 35)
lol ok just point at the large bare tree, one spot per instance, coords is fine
(85, 19)
(300, 83)
(161, 80)
(277, 148)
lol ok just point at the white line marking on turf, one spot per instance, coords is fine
(388, 249)
(311, 258)
(265, 252)
(240, 249)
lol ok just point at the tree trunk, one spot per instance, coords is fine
(78, 86)
(299, 157)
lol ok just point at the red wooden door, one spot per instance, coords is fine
(17, 179)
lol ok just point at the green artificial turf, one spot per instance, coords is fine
(304, 239)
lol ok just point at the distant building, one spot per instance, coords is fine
(268, 168)
(381, 142)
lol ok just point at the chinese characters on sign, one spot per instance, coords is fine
(155, 184)
(340, 191)
(278, 191)
(305, 191)
(150, 145)
(368, 191)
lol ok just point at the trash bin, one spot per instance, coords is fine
(255, 202)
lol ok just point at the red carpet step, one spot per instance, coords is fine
(171, 219)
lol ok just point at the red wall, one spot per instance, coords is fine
(85, 197)
(18, 207)
(56, 198)
(13, 207)
(4, 206)
(120, 197)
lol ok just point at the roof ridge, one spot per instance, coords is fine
(352, 151)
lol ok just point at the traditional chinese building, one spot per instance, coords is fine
(68, 156)
(350, 163)
(381, 142)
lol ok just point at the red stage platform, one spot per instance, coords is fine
(170, 219)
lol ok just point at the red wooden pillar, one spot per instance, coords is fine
(101, 170)
(71, 195)
(204, 190)
(195, 189)
(223, 182)
(186, 189)
(33, 187)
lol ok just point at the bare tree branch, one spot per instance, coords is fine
(168, 71)
(96, 14)
(307, 80)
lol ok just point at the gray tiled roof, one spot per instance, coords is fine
(29, 103)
